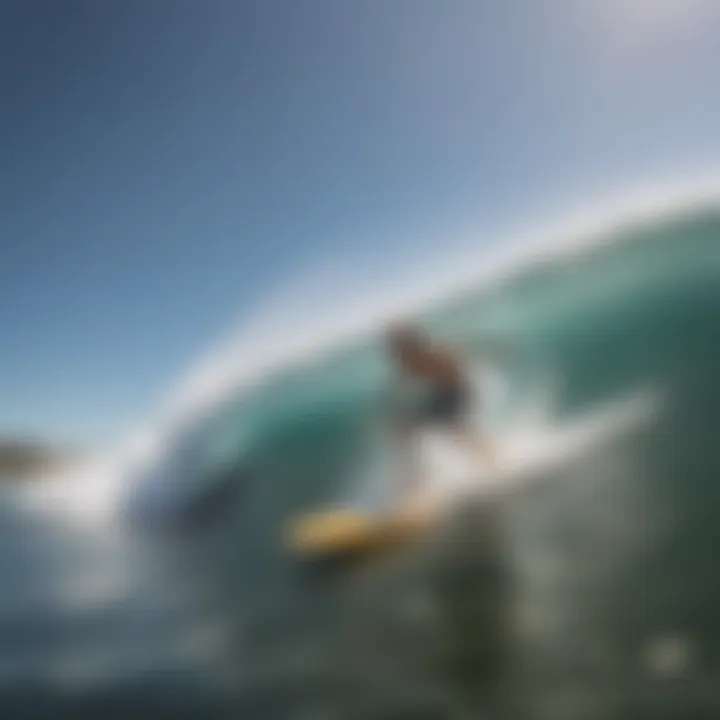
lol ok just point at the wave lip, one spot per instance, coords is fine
(299, 326)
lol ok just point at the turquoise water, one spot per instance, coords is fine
(592, 593)
(564, 600)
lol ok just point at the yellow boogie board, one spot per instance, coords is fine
(337, 533)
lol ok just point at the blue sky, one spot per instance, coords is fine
(164, 164)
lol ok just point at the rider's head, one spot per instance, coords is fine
(405, 341)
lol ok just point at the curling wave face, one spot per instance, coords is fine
(608, 573)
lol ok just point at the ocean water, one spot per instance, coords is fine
(590, 592)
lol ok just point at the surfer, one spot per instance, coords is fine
(447, 399)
